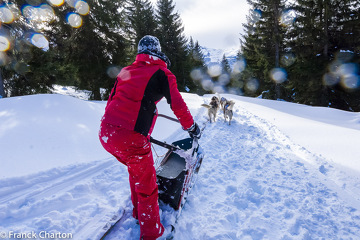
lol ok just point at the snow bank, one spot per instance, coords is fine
(330, 133)
(40, 132)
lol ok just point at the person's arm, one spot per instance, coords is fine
(176, 101)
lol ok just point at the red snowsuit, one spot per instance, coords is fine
(126, 126)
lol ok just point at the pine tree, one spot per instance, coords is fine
(252, 77)
(196, 57)
(173, 42)
(94, 47)
(225, 65)
(17, 75)
(78, 55)
(321, 30)
(311, 49)
(263, 44)
(196, 66)
(140, 20)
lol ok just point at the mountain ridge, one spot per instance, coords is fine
(212, 55)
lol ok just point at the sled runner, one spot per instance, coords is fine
(108, 227)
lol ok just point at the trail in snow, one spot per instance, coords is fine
(254, 183)
(267, 189)
(85, 197)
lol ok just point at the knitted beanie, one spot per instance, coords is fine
(151, 45)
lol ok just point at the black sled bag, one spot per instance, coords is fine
(174, 176)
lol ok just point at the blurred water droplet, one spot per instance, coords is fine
(218, 89)
(239, 66)
(279, 75)
(224, 79)
(21, 67)
(196, 74)
(207, 84)
(6, 15)
(252, 84)
(347, 69)
(347, 74)
(3, 59)
(27, 11)
(333, 67)
(235, 91)
(350, 81)
(288, 59)
(56, 3)
(40, 41)
(125, 75)
(74, 20)
(71, 3)
(46, 13)
(330, 79)
(4, 44)
(113, 71)
(40, 14)
(82, 7)
(287, 18)
(214, 70)
(255, 16)
(15, 10)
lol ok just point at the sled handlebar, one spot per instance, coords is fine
(169, 146)
(164, 144)
(169, 118)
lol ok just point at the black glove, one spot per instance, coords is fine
(194, 131)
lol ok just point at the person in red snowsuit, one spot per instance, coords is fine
(129, 119)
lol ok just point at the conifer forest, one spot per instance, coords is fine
(301, 51)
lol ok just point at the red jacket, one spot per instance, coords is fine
(137, 90)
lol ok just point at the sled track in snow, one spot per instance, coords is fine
(77, 199)
(40, 186)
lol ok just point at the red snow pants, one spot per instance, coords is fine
(134, 150)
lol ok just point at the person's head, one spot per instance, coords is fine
(151, 45)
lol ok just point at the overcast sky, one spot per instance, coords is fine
(214, 23)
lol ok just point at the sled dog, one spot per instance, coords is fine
(213, 108)
(228, 109)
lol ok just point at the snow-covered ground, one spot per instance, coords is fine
(279, 171)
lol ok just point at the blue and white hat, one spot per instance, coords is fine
(151, 45)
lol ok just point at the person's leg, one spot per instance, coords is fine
(134, 150)
(114, 140)
(134, 198)
(143, 181)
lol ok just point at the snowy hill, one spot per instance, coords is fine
(216, 55)
(279, 171)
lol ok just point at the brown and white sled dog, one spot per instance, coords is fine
(227, 107)
(213, 107)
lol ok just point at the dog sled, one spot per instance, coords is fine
(177, 171)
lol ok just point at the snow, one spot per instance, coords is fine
(279, 171)
(40, 132)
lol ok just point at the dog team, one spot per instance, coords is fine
(215, 104)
